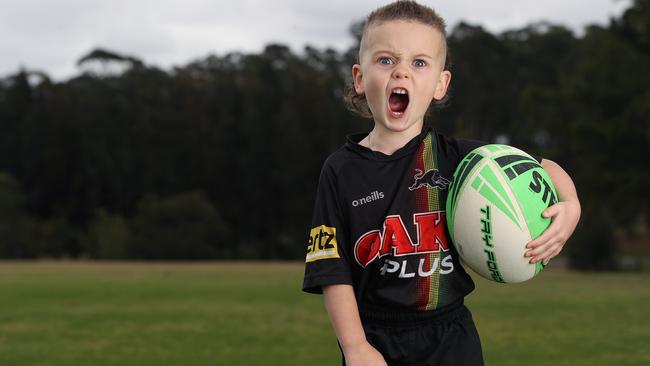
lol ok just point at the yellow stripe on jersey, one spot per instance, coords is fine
(429, 159)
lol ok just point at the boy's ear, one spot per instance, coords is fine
(357, 78)
(443, 84)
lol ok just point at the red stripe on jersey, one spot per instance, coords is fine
(422, 205)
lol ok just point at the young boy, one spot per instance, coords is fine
(379, 249)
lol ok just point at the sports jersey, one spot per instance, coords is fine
(379, 225)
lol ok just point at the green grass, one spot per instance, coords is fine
(254, 314)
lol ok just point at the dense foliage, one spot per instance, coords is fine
(220, 158)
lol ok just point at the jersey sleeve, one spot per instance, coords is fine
(465, 146)
(327, 260)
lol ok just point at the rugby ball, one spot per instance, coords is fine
(494, 208)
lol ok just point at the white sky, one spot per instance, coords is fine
(51, 35)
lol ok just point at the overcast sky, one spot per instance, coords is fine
(50, 35)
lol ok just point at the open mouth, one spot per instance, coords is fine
(398, 101)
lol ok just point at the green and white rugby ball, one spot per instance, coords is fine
(494, 208)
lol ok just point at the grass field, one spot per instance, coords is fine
(254, 314)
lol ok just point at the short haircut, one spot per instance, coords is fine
(399, 10)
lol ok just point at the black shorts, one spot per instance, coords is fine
(446, 336)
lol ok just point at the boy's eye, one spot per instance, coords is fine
(385, 61)
(419, 63)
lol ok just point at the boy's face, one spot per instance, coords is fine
(400, 72)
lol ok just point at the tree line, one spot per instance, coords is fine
(220, 158)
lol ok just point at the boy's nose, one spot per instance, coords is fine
(400, 73)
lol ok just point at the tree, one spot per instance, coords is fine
(183, 226)
(109, 236)
(17, 228)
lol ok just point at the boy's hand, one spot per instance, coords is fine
(564, 216)
(363, 355)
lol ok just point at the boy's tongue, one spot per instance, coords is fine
(398, 102)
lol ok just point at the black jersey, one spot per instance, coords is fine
(379, 225)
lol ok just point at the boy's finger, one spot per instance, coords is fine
(538, 248)
(545, 253)
(546, 236)
(551, 211)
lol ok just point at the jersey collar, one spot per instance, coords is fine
(354, 139)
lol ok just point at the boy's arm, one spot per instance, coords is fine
(341, 306)
(565, 215)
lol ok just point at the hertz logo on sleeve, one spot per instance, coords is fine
(322, 244)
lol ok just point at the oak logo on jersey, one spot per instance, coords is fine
(431, 178)
(444, 266)
(395, 240)
(322, 244)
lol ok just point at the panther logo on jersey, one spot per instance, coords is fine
(431, 178)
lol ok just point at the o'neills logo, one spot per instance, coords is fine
(376, 195)
(394, 239)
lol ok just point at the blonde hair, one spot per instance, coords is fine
(399, 10)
